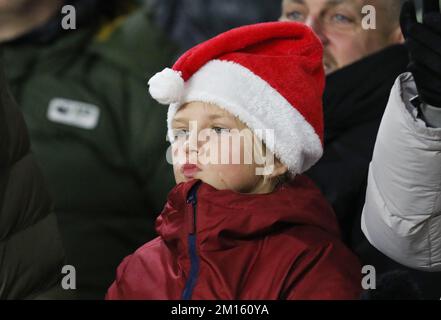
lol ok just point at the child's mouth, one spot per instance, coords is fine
(189, 170)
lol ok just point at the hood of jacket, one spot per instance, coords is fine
(223, 218)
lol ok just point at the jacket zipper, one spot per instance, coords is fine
(192, 251)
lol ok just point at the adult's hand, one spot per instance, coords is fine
(424, 43)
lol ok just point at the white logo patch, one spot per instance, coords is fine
(73, 113)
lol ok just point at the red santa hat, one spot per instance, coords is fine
(269, 75)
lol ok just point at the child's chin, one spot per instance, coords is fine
(200, 177)
(188, 178)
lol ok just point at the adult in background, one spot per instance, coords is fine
(362, 65)
(98, 137)
(401, 217)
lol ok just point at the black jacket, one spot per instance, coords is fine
(354, 102)
(31, 254)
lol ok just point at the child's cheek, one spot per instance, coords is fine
(233, 150)
(178, 158)
(178, 177)
(217, 151)
(179, 155)
(236, 177)
(237, 167)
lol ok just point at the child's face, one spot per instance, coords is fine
(214, 146)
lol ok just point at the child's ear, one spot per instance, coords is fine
(279, 169)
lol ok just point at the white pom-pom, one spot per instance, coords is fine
(167, 86)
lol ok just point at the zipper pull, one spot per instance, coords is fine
(191, 198)
(192, 222)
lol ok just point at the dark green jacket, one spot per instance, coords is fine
(31, 255)
(98, 136)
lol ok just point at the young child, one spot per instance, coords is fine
(228, 230)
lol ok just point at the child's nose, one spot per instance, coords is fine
(192, 146)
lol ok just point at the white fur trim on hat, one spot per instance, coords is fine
(166, 86)
(257, 104)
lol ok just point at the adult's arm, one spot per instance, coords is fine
(402, 212)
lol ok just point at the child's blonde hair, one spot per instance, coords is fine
(261, 153)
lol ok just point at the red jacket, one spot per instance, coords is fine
(224, 245)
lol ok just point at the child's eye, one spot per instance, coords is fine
(181, 133)
(340, 18)
(295, 16)
(220, 130)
